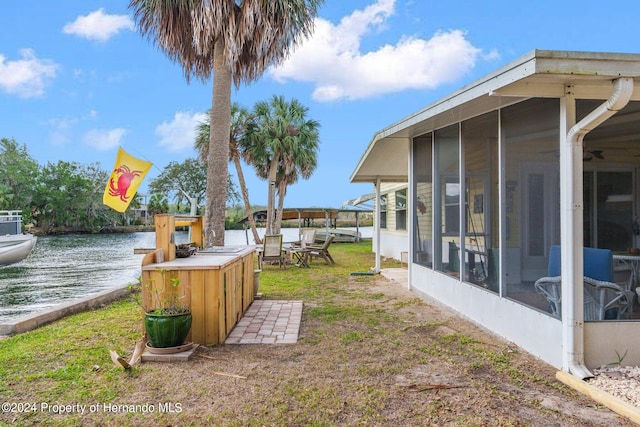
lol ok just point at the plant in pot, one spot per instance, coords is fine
(167, 320)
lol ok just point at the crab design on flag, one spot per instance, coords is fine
(124, 182)
(126, 176)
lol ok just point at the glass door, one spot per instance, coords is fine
(608, 209)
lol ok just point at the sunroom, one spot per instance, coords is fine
(522, 203)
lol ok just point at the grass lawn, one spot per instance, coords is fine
(367, 355)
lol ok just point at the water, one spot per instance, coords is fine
(63, 268)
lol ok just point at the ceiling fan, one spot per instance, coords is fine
(589, 154)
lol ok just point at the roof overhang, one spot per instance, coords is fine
(540, 73)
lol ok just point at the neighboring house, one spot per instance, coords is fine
(544, 151)
(394, 237)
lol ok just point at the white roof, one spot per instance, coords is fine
(540, 73)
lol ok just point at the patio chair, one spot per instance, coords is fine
(321, 251)
(603, 299)
(308, 237)
(272, 250)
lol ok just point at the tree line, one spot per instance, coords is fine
(275, 138)
(56, 195)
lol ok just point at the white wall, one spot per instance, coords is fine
(392, 244)
(603, 339)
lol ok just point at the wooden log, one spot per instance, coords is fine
(617, 405)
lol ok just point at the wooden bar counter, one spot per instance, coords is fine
(216, 283)
(218, 288)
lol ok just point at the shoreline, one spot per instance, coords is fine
(34, 320)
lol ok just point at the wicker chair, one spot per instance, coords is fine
(603, 299)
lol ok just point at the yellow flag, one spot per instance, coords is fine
(124, 181)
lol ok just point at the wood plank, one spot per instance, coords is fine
(198, 308)
(186, 279)
(138, 251)
(212, 307)
(239, 273)
(230, 297)
(222, 309)
(248, 263)
(165, 230)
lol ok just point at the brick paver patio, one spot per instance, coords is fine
(268, 322)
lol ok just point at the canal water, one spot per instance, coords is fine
(63, 268)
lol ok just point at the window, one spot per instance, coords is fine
(401, 210)
(447, 213)
(422, 200)
(383, 211)
(451, 206)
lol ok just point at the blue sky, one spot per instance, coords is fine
(77, 80)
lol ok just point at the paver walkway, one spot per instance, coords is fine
(268, 322)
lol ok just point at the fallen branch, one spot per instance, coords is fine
(424, 387)
(224, 374)
(135, 357)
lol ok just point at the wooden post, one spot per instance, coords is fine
(165, 235)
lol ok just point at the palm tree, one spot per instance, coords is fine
(235, 40)
(239, 120)
(284, 145)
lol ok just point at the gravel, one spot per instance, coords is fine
(622, 382)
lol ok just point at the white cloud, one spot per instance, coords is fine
(26, 77)
(61, 128)
(179, 133)
(104, 139)
(99, 26)
(332, 58)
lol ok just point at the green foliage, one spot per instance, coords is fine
(620, 358)
(69, 194)
(282, 145)
(163, 303)
(18, 178)
(158, 203)
(177, 180)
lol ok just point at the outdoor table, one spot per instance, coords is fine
(633, 262)
(300, 256)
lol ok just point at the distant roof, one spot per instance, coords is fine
(304, 213)
(358, 202)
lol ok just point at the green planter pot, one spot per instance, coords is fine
(167, 330)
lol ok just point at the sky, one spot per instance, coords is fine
(77, 80)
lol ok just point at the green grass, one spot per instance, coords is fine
(353, 333)
(68, 360)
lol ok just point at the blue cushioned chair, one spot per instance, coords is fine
(603, 299)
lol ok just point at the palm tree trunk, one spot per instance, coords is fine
(282, 191)
(218, 161)
(245, 196)
(273, 171)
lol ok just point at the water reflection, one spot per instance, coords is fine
(62, 268)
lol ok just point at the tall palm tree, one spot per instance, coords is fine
(239, 121)
(284, 145)
(235, 40)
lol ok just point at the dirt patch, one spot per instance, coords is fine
(374, 355)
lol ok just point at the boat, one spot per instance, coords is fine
(339, 236)
(14, 245)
